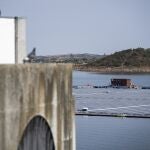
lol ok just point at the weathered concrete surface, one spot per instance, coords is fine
(33, 90)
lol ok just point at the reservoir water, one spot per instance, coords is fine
(110, 133)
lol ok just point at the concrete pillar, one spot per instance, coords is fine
(31, 90)
(20, 40)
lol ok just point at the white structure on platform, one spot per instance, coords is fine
(12, 40)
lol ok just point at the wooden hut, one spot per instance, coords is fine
(121, 83)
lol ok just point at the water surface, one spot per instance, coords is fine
(110, 133)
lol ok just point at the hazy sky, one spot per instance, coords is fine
(82, 26)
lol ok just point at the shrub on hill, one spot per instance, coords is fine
(127, 58)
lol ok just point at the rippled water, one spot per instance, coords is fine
(108, 133)
(114, 100)
(84, 78)
(111, 100)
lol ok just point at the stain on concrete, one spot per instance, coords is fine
(33, 90)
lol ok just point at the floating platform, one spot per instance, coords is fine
(145, 87)
(109, 86)
(87, 113)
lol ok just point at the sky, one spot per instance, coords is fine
(82, 26)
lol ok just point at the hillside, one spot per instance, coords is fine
(126, 61)
(138, 57)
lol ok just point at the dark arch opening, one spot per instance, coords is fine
(37, 136)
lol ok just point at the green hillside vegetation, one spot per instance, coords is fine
(138, 57)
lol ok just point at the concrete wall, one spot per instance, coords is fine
(33, 90)
(7, 40)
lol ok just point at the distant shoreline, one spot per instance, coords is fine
(113, 70)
